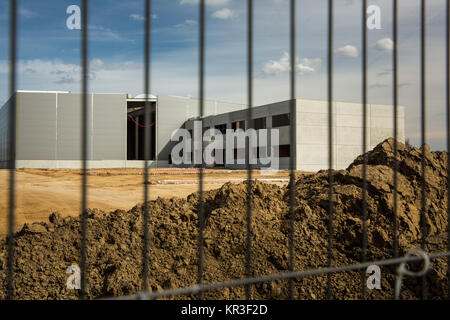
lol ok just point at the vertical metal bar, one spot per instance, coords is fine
(423, 138)
(12, 143)
(447, 61)
(84, 141)
(330, 144)
(292, 157)
(248, 256)
(395, 98)
(201, 209)
(147, 140)
(136, 140)
(364, 146)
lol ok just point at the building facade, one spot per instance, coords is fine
(48, 129)
(311, 130)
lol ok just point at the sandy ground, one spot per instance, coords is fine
(41, 192)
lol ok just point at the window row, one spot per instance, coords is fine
(279, 120)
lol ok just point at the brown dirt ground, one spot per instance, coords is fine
(115, 239)
(40, 192)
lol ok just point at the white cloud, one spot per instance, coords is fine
(224, 14)
(25, 13)
(188, 22)
(53, 71)
(208, 2)
(100, 33)
(385, 44)
(96, 64)
(303, 65)
(138, 17)
(348, 51)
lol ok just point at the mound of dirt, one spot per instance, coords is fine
(45, 250)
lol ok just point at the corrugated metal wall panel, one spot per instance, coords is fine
(36, 116)
(172, 113)
(4, 137)
(69, 126)
(109, 127)
(49, 127)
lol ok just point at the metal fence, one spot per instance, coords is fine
(249, 280)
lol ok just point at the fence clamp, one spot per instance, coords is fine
(403, 271)
(142, 295)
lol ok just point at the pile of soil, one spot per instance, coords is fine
(45, 250)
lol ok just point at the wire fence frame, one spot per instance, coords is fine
(423, 133)
(147, 139)
(364, 144)
(330, 147)
(248, 256)
(85, 146)
(249, 280)
(12, 145)
(447, 61)
(201, 86)
(184, 291)
(395, 125)
(293, 156)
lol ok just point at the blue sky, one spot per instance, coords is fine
(49, 52)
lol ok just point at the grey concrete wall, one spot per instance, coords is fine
(266, 111)
(172, 113)
(312, 135)
(311, 145)
(312, 131)
(68, 137)
(4, 133)
(109, 135)
(49, 126)
(36, 126)
(91, 164)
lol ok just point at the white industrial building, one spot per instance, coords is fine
(311, 121)
(48, 129)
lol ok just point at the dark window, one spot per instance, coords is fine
(238, 125)
(285, 151)
(222, 128)
(259, 123)
(281, 120)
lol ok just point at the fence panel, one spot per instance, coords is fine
(249, 280)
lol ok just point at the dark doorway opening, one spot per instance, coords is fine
(136, 127)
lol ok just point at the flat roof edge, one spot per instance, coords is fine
(40, 91)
